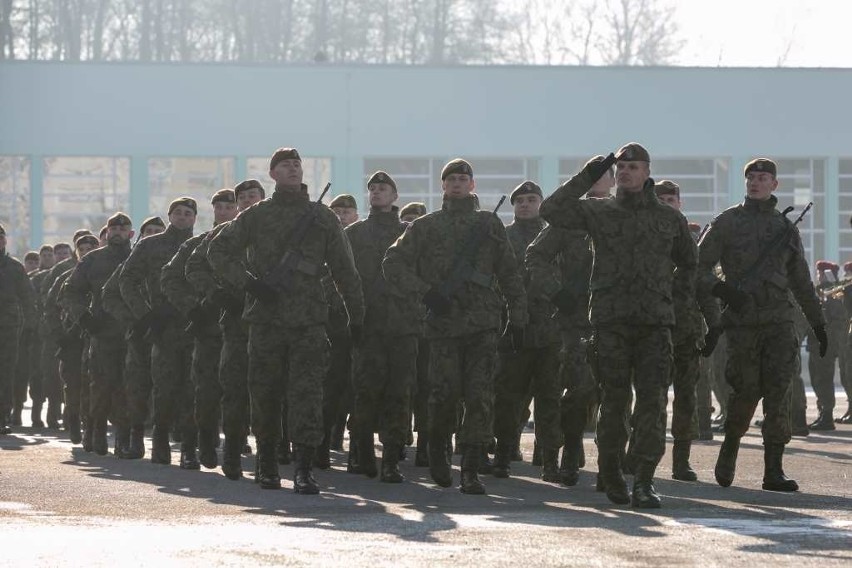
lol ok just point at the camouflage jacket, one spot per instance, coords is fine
(642, 251)
(691, 310)
(387, 313)
(112, 302)
(178, 290)
(54, 273)
(17, 298)
(735, 239)
(257, 241)
(36, 279)
(561, 259)
(140, 278)
(56, 318)
(423, 258)
(83, 289)
(542, 329)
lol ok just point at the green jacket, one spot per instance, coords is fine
(17, 298)
(112, 302)
(734, 239)
(691, 312)
(642, 252)
(257, 241)
(83, 289)
(423, 258)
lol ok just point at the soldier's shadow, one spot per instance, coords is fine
(12, 442)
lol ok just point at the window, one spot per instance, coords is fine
(199, 178)
(317, 173)
(801, 180)
(845, 210)
(15, 203)
(82, 193)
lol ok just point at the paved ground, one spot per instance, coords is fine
(61, 506)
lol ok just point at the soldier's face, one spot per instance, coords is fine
(287, 173)
(182, 217)
(119, 234)
(409, 218)
(62, 253)
(152, 230)
(224, 212)
(347, 215)
(248, 198)
(31, 264)
(603, 186)
(631, 176)
(671, 200)
(526, 206)
(46, 259)
(382, 195)
(456, 186)
(83, 249)
(760, 185)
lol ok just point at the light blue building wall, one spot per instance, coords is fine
(79, 140)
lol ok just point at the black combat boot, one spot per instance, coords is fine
(99, 436)
(502, 468)
(121, 444)
(322, 458)
(726, 464)
(303, 479)
(4, 428)
(825, 422)
(569, 465)
(486, 466)
(549, 464)
(188, 456)
(16, 415)
(88, 436)
(136, 450)
(232, 465)
(390, 464)
(421, 457)
(644, 495)
(72, 423)
(352, 463)
(612, 479)
(53, 411)
(681, 470)
(161, 449)
(846, 418)
(773, 472)
(439, 459)
(335, 441)
(367, 455)
(35, 415)
(517, 455)
(470, 483)
(266, 471)
(207, 448)
(705, 425)
(536, 458)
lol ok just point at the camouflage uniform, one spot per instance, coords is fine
(71, 352)
(36, 379)
(171, 355)
(638, 242)
(821, 369)
(287, 341)
(338, 396)
(463, 342)
(17, 310)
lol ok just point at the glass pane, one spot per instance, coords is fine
(846, 167)
(15, 203)
(682, 167)
(199, 178)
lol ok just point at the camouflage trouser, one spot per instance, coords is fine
(420, 405)
(23, 372)
(35, 378)
(685, 372)
(581, 388)
(206, 354)
(799, 399)
(385, 371)
(337, 383)
(761, 364)
(846, 378)
(462, 369)
(137, 378)
(8, 357)
(719, 361)
(71, 373)
(534, 370)
(51, 386)
(292, 362)
(171, 364)
(703, 392)
(107, 398)
(641, 356)
(821, 369)
(233, 376)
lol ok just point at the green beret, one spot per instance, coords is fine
(247, 185)
(224, 196)
(344, 200)
(761, 165)
(151, 221)
(282, 154)
(185, 201)
(413, 208)
(119, 220)
(666, 187)
(381, 177)
(90, 239)
(457, 166)
(79, 233)
(102, 233)
(45, 248)
(32, 255)
(526, 188)
(58, 246)
(632, 152)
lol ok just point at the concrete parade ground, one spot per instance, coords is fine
(60, 506)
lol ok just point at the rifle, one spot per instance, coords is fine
(743, 283)
(463, 269)
(280, 277)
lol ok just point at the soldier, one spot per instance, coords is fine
(761, 255)
(847, 381)
(17, 311)
(172, 347)
(412, 211)
(346, 209)
(203, 319)
(27, 342)
(642, 252)
(386, 359)
(233, 368)
(46, 257)
(534, 368)
(31, 262)
(450, 259)
(284, 242)
(82, 298)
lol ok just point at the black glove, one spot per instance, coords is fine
(356, 333)
(598, 169)
(515, 335)
(736, 299)
(262, 291)
(819, 332)
(565, 301)
(710, 340)
(90, 323)
(437, 303)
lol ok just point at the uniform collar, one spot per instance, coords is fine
(459, 206)
(384, 217)
(759, 206)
